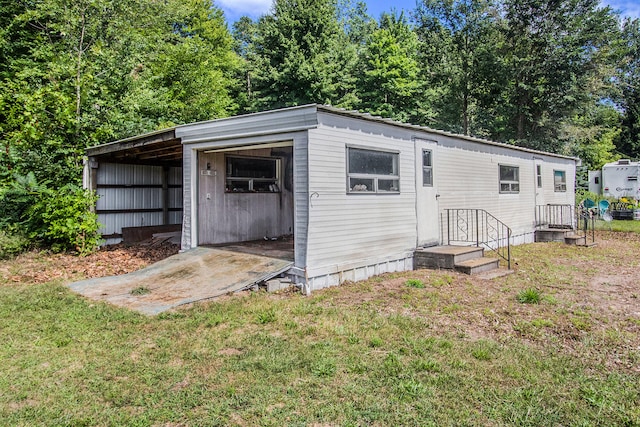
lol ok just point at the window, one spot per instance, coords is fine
(252, 175)
(509, 179)
(596, 180)
(371, 171)
(559, 181)
(539, 175)
(427, 169)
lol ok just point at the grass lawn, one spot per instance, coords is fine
(555, 343)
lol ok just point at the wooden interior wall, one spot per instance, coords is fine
(237, 217)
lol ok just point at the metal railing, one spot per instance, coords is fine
(586, 223)
(476, 226)
(555, 216)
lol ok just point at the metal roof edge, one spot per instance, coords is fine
(387, 121)
(148, 135)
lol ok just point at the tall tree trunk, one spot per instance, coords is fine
(79, 75)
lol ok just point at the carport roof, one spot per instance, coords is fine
(155, 148)
(165, 148)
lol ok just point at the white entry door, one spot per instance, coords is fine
(538, 180)
(427, 193)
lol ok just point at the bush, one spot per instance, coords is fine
(59, 218)
(63, 219)
(12, 244)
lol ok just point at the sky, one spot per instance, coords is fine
(234, 9)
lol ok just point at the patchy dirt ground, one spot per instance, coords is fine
(589, 306)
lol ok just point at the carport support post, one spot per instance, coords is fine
(165, 195)
(90, 176)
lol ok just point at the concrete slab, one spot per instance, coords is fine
(195, 275)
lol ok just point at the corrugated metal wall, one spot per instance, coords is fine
(132, 196)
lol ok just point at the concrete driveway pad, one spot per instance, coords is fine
(194, 275)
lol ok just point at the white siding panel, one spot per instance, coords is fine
(349, 232)
(302, 198)
(467, 177)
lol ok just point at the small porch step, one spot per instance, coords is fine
(574, 239)
(478, 265)
(551, 234)
(466, 259)
(445, 256)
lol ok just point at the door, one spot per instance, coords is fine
(541, 214)
(426, 193)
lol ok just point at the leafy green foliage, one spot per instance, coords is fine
(389, 78)
(60, 217)
(12, 243)
(300, 55)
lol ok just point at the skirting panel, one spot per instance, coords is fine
(359, 273)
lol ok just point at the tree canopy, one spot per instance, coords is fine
(561, 76)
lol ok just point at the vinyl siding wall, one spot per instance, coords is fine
(467, 176)
(354, 236)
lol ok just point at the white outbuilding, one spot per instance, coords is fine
(355, 194)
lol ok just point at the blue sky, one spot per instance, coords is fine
(234, 9)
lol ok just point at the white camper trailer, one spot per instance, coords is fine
(620, 179)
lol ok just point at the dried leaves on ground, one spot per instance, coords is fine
(41, 267)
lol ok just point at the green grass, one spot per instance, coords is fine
(618, 225)
(529, 296)
(327, 359)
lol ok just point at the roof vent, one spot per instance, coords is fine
(624, 161)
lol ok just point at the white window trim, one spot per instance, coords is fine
(510, 182)
(425, 168)
(539, 175)
(562, 188)
(374, 177)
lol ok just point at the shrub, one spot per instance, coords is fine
(60, 218)
(63, 220)
(12, 244)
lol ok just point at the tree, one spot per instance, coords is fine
(388, 81)
(85, 72)
(553, 52)
(459, 42)
(303, 56)
(628, 142)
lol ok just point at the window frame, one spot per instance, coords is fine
(373, 178)
(511, 183)
(562, 187)
(273, 183)
(427, 168)
(539, 175)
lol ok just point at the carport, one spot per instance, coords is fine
(139, 184)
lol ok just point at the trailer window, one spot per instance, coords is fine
(539, 175)
(370, 171)
(509, 179)
(427, 168)
(559, 181)
(252, 175)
